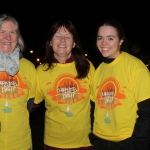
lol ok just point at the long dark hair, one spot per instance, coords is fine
(81, 63)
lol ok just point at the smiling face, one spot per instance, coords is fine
(108, 42)
(62, 44)
(8, 37)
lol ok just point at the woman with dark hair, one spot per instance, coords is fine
(64, 82)
(121, 94)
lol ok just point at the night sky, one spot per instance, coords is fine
(36, 18)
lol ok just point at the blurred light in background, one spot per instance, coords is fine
(31, 51)
(38, 59)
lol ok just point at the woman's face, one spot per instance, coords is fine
(8, 37)
(62, 43)
(108, 42)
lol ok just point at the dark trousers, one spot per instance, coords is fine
(102, 144)
(109, 145)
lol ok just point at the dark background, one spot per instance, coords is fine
(36, 17)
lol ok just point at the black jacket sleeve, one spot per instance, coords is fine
(92, 113)
(141, 134)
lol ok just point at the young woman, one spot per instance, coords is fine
(121, 94)
(64, 81)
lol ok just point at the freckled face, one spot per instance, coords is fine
(8, 37)
(108, 42)
(62, 43)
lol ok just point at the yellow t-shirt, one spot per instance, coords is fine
(67, 102)
(15, 131)
(117, 88)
